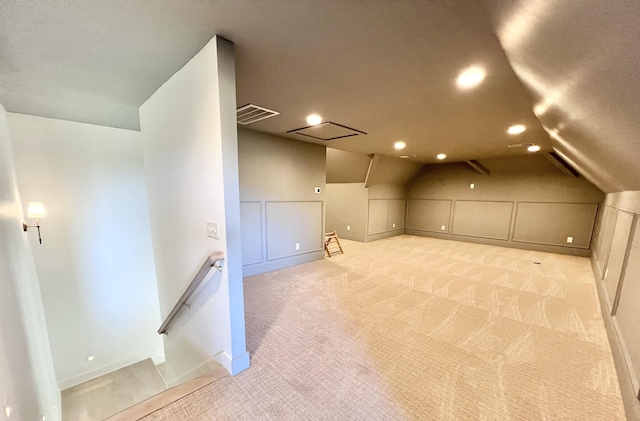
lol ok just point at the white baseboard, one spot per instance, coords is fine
(196, 372)
(90, 375)
(235, 365)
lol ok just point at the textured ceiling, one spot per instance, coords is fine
(384, 67)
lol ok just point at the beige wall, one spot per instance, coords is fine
(347, 210)
(386, 211)
(346, 167)
(616, 264)
(282, 216)
(390, 170)
(525, 203)
(371, 213)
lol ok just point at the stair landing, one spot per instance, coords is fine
(111, 393)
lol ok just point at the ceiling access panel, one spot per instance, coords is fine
(327, 131)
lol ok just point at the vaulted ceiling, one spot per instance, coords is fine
(566, 70)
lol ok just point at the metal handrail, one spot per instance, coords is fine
(193, 288)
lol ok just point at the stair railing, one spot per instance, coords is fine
(213, 260)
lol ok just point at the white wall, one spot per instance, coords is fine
(191, 162)
(27, 379)
(95, 263)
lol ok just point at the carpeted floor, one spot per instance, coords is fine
(412, 328)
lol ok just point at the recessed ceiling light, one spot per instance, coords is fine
(516, 129)
(533, 148)
(441, 156)
(399, 145)
(314, 119)
(470, 77)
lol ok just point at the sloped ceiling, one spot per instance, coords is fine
(346, 167)
(384, 67)
(580, 62)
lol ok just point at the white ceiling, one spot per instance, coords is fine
(385, 67)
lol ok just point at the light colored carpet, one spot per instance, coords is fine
(419, 328)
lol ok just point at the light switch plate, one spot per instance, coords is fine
(317, 190)
(213, 230)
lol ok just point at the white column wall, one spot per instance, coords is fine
(191, 162)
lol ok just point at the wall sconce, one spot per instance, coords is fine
(35, 210)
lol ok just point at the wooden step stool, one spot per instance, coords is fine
(332, 243)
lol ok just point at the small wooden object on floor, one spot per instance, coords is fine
(332, 243)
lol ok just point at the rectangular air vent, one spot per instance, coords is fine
(251, 113)
(561, 164)
(327, 131)
(520, 145)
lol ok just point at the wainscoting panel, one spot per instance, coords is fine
(553, 223)
(627, 312)
(596, 245)
(396, 215)
(251, 228)
(619, 244)
(378, 216)
(482, 219)
(428, 215)
(604, 250)
(291, 223)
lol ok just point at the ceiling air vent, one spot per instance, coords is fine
(251, 113)
(520, 145)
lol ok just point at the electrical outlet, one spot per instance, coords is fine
(443, 228)
(472, 186)
(297, 246)
(213, 230)
(348, 227)
(569, 240)
(394, 225)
